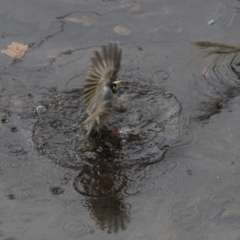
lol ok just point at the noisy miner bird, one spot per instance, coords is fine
(100, 89)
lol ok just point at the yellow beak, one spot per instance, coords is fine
(118, 81)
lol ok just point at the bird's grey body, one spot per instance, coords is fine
(100, 88)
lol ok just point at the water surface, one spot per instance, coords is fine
(172, 173)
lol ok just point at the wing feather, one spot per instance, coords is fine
(104, 66)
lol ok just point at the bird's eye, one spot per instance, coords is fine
(114, 87)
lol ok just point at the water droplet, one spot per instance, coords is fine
(14, 129)
(56, 190)
(189, 172)
(167, 95)
(11, 196)
(41, 109)
(4, 120)
(66, 178)
(15, 149)
(74, 226)
(211, 22)
(151, 145)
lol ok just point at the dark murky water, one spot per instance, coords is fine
(173, 172)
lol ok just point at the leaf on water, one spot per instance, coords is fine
(17, 102)
(121, 30)
(85, 21)
(15, 50)
(180, 29)
(135, 7)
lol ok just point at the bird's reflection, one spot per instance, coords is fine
(111, 214)
(103, 183)
(101, 173)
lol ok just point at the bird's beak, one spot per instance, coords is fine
(118, 81)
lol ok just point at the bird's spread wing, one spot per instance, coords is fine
(103, 68)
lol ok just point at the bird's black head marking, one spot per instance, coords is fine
(113, 87)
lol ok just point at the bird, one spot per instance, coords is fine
(100, 89)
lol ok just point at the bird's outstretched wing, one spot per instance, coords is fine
(104, 67)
